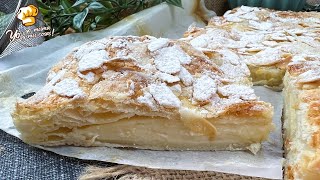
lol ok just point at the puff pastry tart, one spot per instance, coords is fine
(301, 119)
(266, 40)
(148, 93)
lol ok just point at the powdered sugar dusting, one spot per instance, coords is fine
(69, 88)
(185, 77)
(89, 77)
(47, 89)
(176, 89)
(51, 75)
(309, 76)
(167, 77)
(237, 91)
(204, 88)
(260, 25)
(158, 44)
(270, 43)
(200, 41)
(164, 96)
(57, 77)
(230, 56)
(167, 60)
(266, 57)
(93, 60)
(119, 43)
(87, 48)
(147, 100)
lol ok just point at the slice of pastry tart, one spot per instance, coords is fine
(301, 119)
(148, 93)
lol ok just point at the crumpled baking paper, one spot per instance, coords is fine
(25, 71)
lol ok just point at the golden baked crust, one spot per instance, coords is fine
(302, 115)
(147, 93)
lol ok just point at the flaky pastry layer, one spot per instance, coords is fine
(301, 120)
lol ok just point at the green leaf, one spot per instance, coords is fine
(42, 5)
(177, 3)
(67, 6)
(79, 19)
(44, 11)
(107, 4)
(97, 19)
(80, 2)
(93, 26)
(97, 7)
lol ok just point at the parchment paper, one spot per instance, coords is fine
(25, 71)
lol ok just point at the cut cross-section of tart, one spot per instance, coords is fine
(145, 92)
(301, 120)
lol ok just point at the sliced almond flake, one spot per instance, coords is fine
(122, 53)
(200, 41)
(235, 44)
(176, 89)
(185, 77)
(51, 75)
(148, 100)
(87, 48)
(254, 45)
(89, 77)
(227, 13)
(218, 105)
(158, 44)
(167, 77)
(249, 16)
(255, 38)
(164, 96)
(148, 67)
(47, 89)
(184, 58)
(238, 91)
(235, 73)
(230, 56)
(57, 77)
(296, 31)
(309, 40)
(248, 8)
(270, 43)
(205, 50)
(266, 57)
(278, 37)
(69, 88)
(254, 49)
(119, 43)
(260, 25)
(204, 88)
(93, 60)
(168, 59)
(233, 18)
(291, 39)
(309, 76)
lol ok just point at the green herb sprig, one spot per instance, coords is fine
(89, 15)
